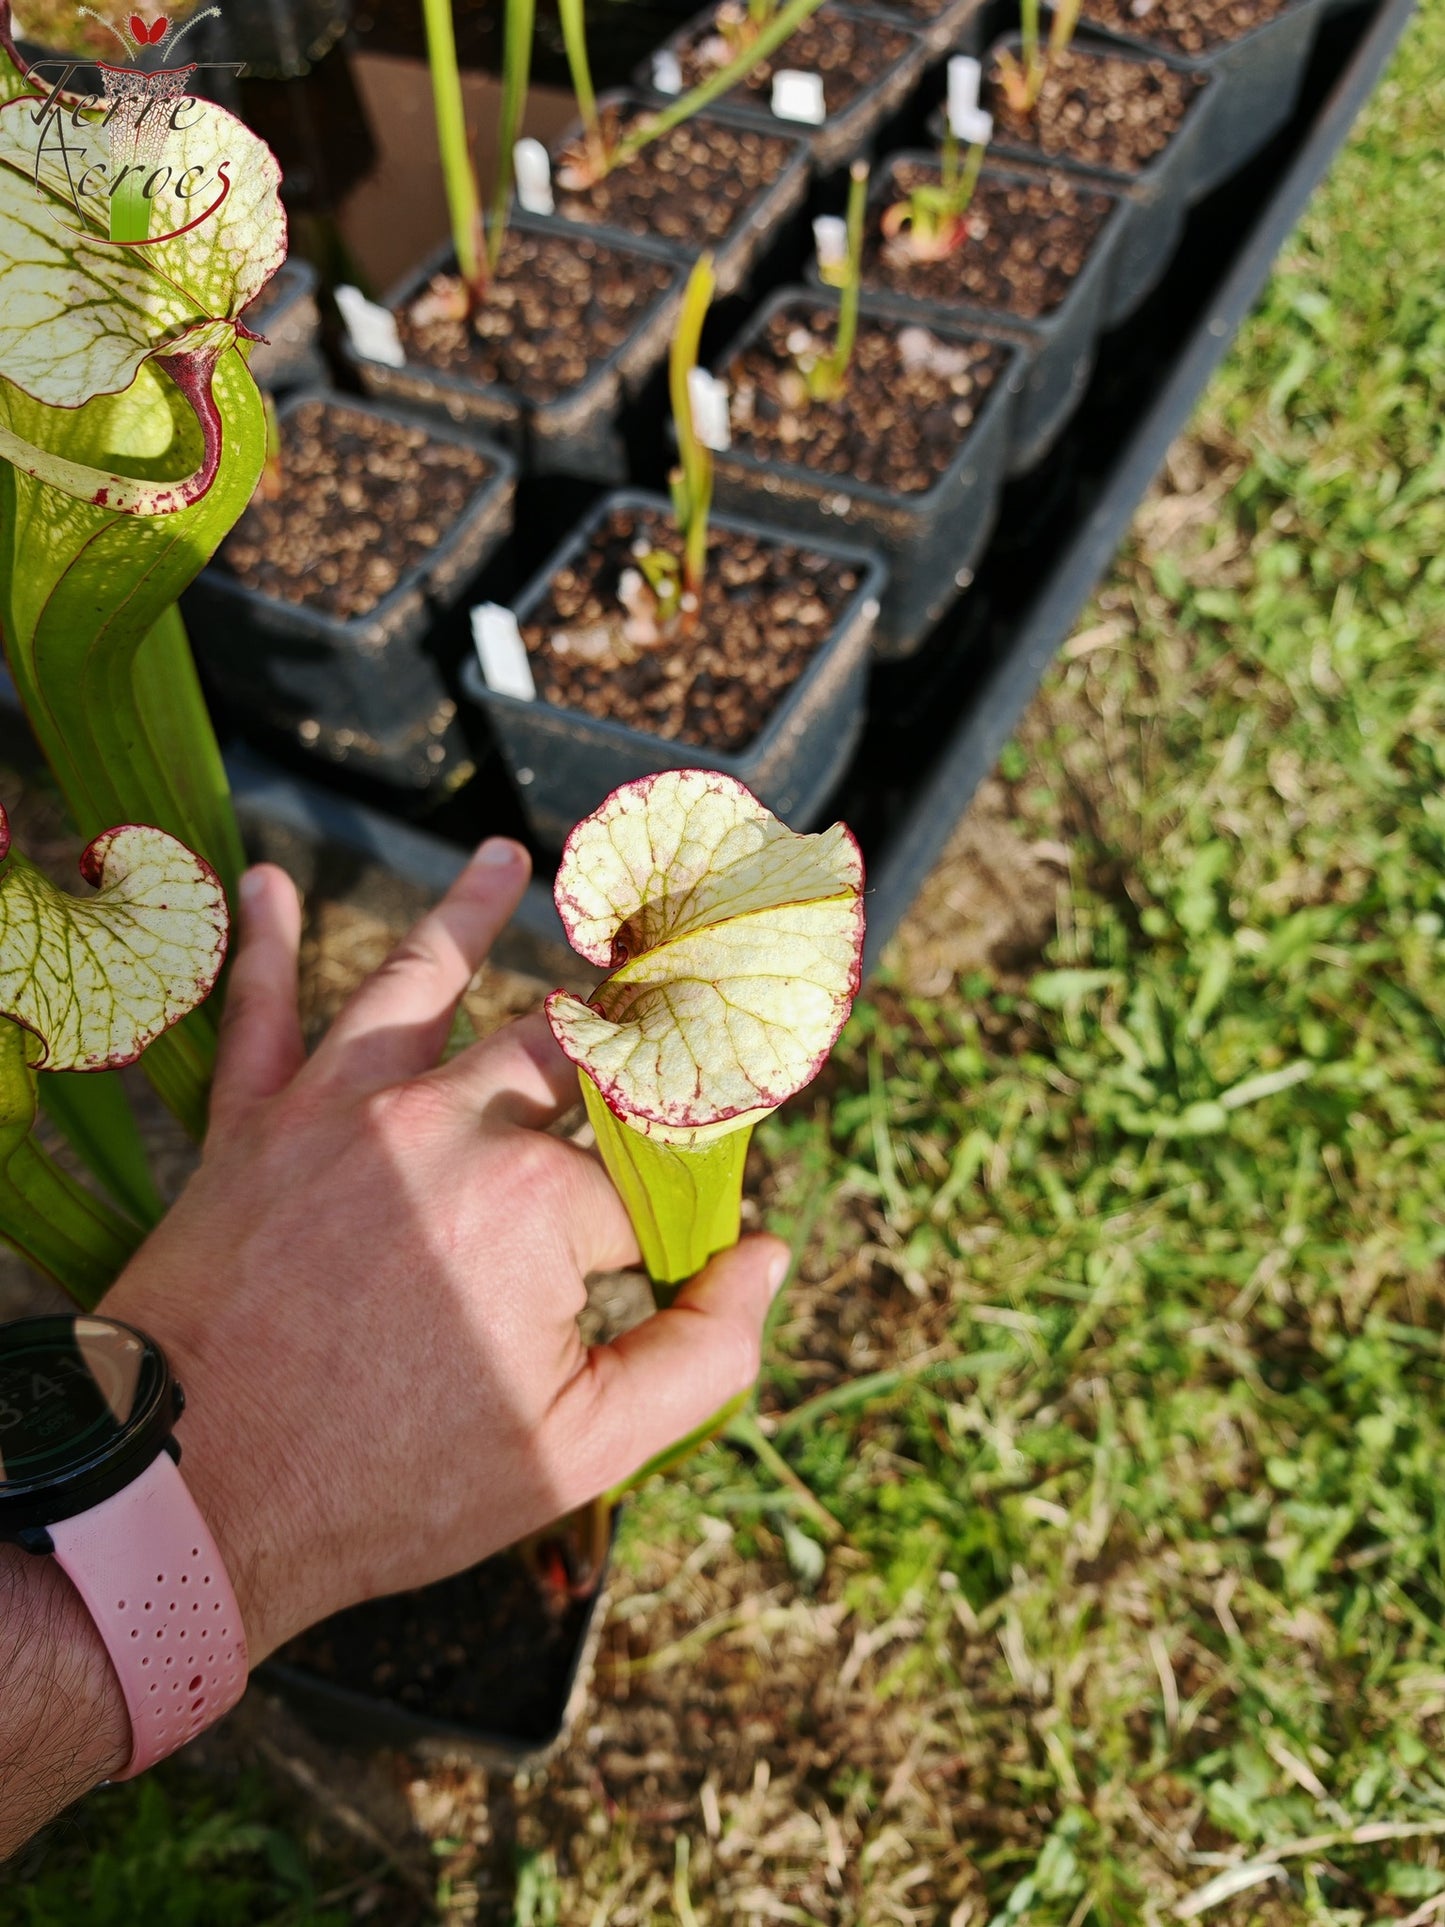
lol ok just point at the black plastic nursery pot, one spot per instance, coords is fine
(288, 317)
(847, 133)
(736, 244)
(1157, 197)
(582, 432)
(1059, 347)
(564, 762)
(363, 692)
(550, 1651)
(930, 540)
(1257, 85)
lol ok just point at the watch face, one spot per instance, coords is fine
(75, 1394)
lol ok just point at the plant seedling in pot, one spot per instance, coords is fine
(734, 950)
(477, 244)
(604, 148)
(932, 222)
(840, 263)
(660, 599)
(1023, 76)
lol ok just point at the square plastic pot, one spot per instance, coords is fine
(581, 433)
(287, 315)
(366, 1722)
(363, 691)
(759, 223)
(1059, 347)
(1257, 85)
(565, 762)
(931, 540)
(843, 137)
(1157, 198)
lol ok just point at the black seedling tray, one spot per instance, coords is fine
(938, 721)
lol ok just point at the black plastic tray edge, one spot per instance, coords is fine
(1001, 700)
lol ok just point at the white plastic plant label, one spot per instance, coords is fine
(964, 78)
(709, 399)
(666, 71)
(830, 238)
(975, 129)
(502, 652)
(799, 96)
(372, 329)
(534, 177)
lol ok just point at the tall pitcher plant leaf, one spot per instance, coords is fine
(86, 984)
(132, 437)
(734, 946)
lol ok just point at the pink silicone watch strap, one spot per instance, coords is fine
(148, 1569)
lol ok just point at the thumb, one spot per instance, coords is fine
(670, 1374)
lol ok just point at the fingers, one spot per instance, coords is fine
(599, 1231)
(261, 1047)
(518, 1074)
(397, 1022)
(669, 1375)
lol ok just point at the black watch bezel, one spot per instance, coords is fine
(28, 1506)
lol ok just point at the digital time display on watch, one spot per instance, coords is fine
(78, 1395)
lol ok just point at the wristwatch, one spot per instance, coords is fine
(89, 1477)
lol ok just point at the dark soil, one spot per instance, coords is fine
(693, 185)
(1104, 110)
(910, 400)
(850, 55)
(767, 608)
(558, 306)
(1184, 26)
(361, 500)
(1028, 238)
(489, 1649)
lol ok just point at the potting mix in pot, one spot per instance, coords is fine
(848, 53)
(911, 397)
(1103, 110)
(350, 504)
(1024, 240)
(693, 188)
(1185, 26)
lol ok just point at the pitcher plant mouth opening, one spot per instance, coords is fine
(734, 948)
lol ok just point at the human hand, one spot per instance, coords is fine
(370, 1287)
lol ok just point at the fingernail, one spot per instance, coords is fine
(498, 853)
(778, 1271)
(251, 886)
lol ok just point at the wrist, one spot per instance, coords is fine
(64, 1725)
(235, 1461)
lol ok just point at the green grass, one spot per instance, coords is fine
(1121, 1364)
(1177, 1206)
(169, 1852)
